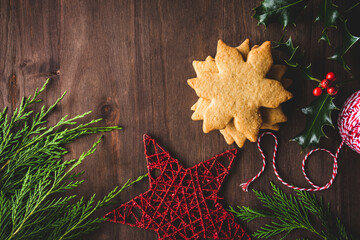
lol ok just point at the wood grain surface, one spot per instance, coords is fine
(128, 61)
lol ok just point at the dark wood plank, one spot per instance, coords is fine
(128, 61)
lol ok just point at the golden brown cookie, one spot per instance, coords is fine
(271, 116)
(237, 89)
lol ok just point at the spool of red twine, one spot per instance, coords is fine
(349, 122)
(349, 129)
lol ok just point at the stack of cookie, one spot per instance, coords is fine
(240, 92)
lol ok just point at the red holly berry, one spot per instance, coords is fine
(332, 90)
(325, 83)
(317, 91)
(330, 76)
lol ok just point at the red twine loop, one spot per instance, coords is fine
(349, 129)
(315, 188)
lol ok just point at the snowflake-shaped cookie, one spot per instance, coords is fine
(238, 89)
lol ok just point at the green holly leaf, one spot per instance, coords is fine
(329, 15)
(324, 37)
(296, 59)
(348, 41)
(318, 115)
(282, 11)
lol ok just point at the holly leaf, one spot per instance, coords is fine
(329, 15)
(296, 58)
(318, 115)
(324, 37)
(348, 41)
(282, 11)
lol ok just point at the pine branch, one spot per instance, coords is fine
(34, 178)
(293, 213)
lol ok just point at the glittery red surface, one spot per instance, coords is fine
(182, 203)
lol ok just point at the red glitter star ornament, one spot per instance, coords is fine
(182, 203)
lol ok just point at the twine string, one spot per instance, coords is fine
(349, 129)
(245, 186)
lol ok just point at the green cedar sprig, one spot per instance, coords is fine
(34, 178)
(290, 213)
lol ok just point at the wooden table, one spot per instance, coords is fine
(128, 61)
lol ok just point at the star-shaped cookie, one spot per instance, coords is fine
(237, 89)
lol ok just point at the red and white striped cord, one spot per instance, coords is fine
(314, 188)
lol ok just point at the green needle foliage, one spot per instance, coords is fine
(302, 212)
(34, 178)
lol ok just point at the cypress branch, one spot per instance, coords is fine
(33, 173)
(290, 213)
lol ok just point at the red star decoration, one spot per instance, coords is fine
(182, 203)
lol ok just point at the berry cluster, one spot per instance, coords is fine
(326, 84)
